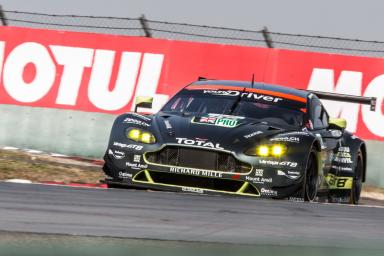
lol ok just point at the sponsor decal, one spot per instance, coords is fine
(125, 175)
(340, 200)
(336, 182)
(136, 158)
(136, 166)
(226, 122)
(222, 121)
(290, 175)
(343, 160)
(258, 180)
(252, 134)
(284, 163)
(287, 139)
(343, 156)
(196, 172)
(259, 172)
(304, 132)
(207, 120)
(129, 146)
(143, 117)
(344, 149)
(249, 95)
(116, 154)
(198, 142)
(349, 169)
(268, 192)
(296, 199)
(193, 190)
(135, 121)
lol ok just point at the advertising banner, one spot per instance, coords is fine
(103, 73)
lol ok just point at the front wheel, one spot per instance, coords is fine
(311, 177)
(357, 179)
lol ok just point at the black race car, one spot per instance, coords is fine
(240, 138)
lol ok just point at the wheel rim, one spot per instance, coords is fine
(311, 179)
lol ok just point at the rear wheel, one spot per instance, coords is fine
(311, 177)
(357, 179)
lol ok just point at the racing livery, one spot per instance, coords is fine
(240, 138)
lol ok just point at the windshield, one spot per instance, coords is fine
(261, 107)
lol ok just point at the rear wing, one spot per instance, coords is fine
(346, 98)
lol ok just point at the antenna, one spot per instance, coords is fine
(253, 79)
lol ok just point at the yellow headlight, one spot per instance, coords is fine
(263, 151)
(139, 135)
(277, 150)
(147, 137)
(134, 134)
(267, 151)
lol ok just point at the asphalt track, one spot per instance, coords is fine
(184, 217)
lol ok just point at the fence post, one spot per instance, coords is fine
(2, 17)
(267, 37)
(145, 26)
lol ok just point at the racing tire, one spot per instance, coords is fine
(357, 179)
(311, 177)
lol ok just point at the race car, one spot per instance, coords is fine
(240, 138)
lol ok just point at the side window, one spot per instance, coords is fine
(325, 117)
(319, 115)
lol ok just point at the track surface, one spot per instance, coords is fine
(169, 216)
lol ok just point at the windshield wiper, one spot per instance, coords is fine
(233, 107)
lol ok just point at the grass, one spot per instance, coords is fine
(40, 168)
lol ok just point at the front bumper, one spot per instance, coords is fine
(265, 181)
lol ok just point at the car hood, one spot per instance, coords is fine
(223, 129)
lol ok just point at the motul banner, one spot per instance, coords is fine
(104, 73)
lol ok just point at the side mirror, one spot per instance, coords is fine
(337, 123)
(143, 102)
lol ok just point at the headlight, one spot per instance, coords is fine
(139, 135)
(267, 150)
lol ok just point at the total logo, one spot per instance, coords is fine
(199, 142)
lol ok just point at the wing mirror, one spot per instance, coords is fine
(143, 102)
(337, 123)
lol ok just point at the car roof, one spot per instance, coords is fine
(261, 86)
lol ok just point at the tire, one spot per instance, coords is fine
(310, 182)
(357, 179)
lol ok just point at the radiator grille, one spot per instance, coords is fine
(199, 159)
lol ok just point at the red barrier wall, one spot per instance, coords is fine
(103, 73)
